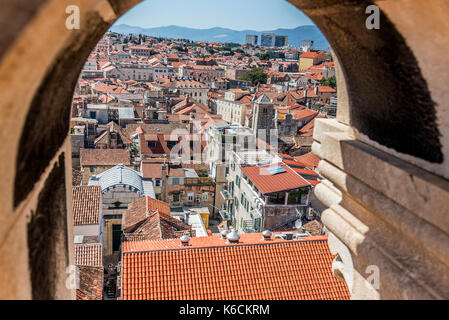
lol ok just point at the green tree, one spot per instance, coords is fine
(263, 56)
(256, 76)
(330, 82)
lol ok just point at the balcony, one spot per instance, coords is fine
(251, 226)
(226, 194)
(292, 198)
(225, 214)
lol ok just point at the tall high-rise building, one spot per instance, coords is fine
(280, 41)
(267, 39)
(252, 39)
(272, 40)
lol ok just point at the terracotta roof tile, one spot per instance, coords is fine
(212, 269)
(77, 176)
(88, 255)
(149, 219)
(104, 157)
(309, 159)
(90, 283)
(151, 170)
(314, 227)
(86, 204)
(268, 183)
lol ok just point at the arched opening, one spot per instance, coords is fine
(380, 77)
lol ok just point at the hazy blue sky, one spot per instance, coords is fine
(235, 14)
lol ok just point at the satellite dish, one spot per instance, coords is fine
(298, 224)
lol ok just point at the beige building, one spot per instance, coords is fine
(235, 73)
(233, 107)
(311, 58)
(196, 90)
(143, 51)
(131, 70)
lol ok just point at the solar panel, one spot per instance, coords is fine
(275, 170)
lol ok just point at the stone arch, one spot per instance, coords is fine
(39, 88)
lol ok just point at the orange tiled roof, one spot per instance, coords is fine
(309, 159)
(90, 283)
(326, 89)
(212, 269)
(305, 172)
(304, 113)
(104, 157)
(86, 204)
(151, 170)
(88, 254)
(309, 54)
(269, 183)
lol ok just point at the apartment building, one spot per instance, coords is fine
(129, 70)
(235, 73)
(263, 192)
(311, 58)
(142, 51)
(204, 71)
(196, 90)
(267, 39)
(221, 141)
(233, 107)
(272, 40)
(252, 39)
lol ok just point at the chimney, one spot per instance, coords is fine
(187, 217)
(108, 136)
(266, 235)
(164, 174)
(233, 237)
(224, 233)
(184, 240)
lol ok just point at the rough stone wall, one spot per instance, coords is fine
(386, 190)
(34, 113)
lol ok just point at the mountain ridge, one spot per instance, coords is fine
(218, 34)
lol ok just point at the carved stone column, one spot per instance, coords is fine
(388, 219)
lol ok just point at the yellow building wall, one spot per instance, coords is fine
(305, 63)
(205, 217)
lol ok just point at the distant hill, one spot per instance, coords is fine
(226, 35)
